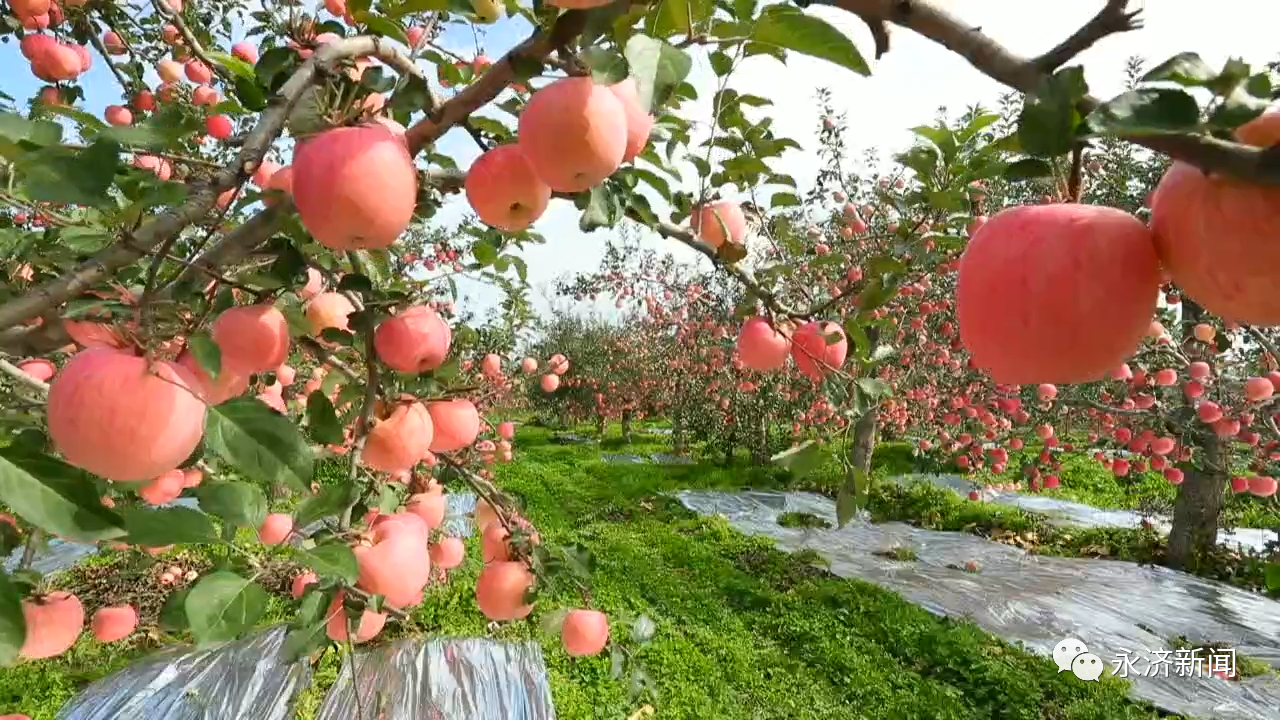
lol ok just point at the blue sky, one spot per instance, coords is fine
(906, 89)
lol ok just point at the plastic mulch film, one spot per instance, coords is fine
(572, 439)
(670, 459)
(623, 459)
(1066, 512)
(443, 679)
(1116, 608)
(457, 514)
(242, 680)
(61, 554)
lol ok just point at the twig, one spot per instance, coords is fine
(192, 43)
(235, 245)
(1105, 408)
(362, 425)
(1257, 165)
(16, 373)
(394, 612)
(29, 548)
(106, 58)
(486, 490)
(327, 357)
(1075, 181)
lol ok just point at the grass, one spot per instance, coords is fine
(743, 631)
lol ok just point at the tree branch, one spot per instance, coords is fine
(1264, 341)
(1257, 165)
(488, 86)
(155, 232)
(1110, 20)
(235, 245)
(106, 58)
(21, 377)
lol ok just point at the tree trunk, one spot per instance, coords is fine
(600, 426)
(1200, 497)
(760, 448)
(1195, 512)
(864, 439)
(626, 426)
(730, 444)
(678, 433)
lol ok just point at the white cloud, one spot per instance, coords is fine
(906, 88)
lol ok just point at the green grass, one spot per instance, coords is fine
(743, 631)
(1087, 481)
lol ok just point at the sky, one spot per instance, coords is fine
(905, 89)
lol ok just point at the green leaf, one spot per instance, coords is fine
(223, 605)
(671, 17)
(410, 7)
(274, 66)
(1187, 69)
(1273, 577)
(358, 6)
(802, 459)
(789, 27)
(1028, 169)
(1237, 109)
(84, 240)
(721, 63)
(61, 175)
(852, 496)
(876, 293)
(15, 129)
(84, 119)
(307, 630)
(654, 180)
(55, 496)
(331, 500)
(322, 419)
(250, 94)
(874, 387)
(484, 253)
(206, 352)
(1147, 111)
(658, 68)
(173, 616)
(382, 26)
(607, 66)
(784, 199)
(858, 335)
(13, 626)
(331, 560)
(156, 527)
(137, 136)
(260, 443)
(237, 503)
(1047, 125)
(238, 67)
(603, 209)
(1259, 85)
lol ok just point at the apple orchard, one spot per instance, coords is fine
(233, 274)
